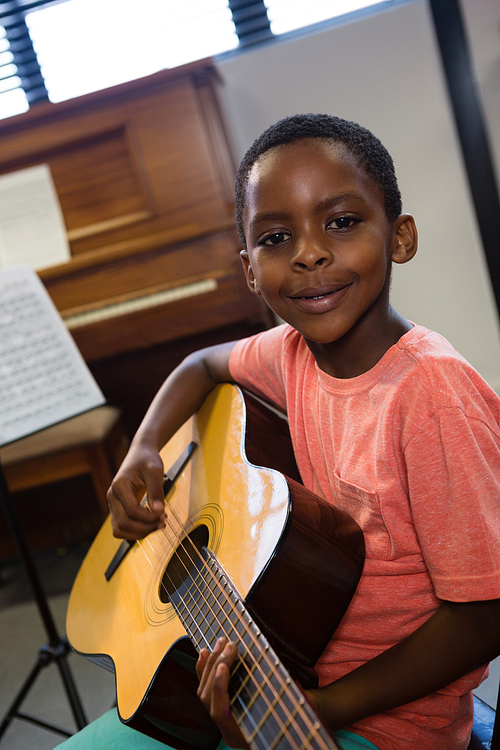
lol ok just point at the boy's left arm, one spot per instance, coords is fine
(457, 639)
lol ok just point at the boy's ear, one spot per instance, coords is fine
(404, 239)
(247, 268)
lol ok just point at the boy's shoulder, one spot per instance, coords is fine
(428, 346)
(433, 352)
(275, 341)
(437, 369)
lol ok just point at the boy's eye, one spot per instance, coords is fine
(343, 222)
(276, 238)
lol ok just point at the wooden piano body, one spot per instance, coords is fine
(144, 176)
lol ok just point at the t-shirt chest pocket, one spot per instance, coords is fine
(364, 507)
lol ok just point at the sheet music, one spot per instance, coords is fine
(43, 377)
(32, 228)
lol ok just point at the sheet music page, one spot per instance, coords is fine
(32, 228)
(43, 377)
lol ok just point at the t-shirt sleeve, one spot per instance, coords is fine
(453, 469)
(256, 363)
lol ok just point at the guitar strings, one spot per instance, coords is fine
(255, 729)
(291, 719)
(204, 638)
(215, 618)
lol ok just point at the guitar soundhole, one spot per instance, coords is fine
(184, 562)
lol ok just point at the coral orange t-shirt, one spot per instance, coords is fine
(411, 449)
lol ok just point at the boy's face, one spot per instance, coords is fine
(319, 244)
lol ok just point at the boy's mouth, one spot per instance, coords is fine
(319, 299)
(318, 293)
(315, 296)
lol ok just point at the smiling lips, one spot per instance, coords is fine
(319, 299)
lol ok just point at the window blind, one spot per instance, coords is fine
(21, 82)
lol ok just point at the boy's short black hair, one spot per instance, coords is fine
(372, 156)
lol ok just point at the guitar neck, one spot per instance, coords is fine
(265, 702)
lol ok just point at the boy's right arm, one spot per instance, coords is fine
(182, 394)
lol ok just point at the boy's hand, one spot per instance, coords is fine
(181, 395)
(213, 670)
(141, 472)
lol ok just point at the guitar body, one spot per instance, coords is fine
(292, 557)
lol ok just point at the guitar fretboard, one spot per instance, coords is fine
(266, 703)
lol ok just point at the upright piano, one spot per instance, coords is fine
(144, 176)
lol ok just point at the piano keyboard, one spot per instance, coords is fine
(115, 310)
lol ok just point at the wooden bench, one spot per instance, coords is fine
(91, 443)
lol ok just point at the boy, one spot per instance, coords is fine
(387, 421)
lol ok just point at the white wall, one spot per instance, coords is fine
(383, 71)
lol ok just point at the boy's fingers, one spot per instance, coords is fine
(205, 667)
(219, 703)
(202, 661)
(154, 490)
(130, 519)
(126, 528)
(214, 671)
(214, 680)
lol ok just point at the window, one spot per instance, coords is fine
(130, 40)
(289, 15)
(58, 49)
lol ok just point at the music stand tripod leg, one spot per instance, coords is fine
(57, 649)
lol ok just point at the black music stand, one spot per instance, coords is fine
(57, 648)
(42, 363)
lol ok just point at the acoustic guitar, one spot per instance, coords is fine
(247, 553)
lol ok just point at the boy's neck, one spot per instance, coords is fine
(361, 348)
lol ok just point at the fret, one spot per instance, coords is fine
(186, 616)
(287, 721)
(222, 595)
(260, 687)
(248, 676)
(226, 625)
(315, 730)
(212, 617)
(209, 623)
(270, 708)
(262, 690)
(199, 642)
(283, 730)
(263, 695)
(194, 587)
(241, 687)
(211, 586)
(285, 685)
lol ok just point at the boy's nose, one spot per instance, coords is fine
(310, 253)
